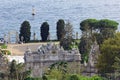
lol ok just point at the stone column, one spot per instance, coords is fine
(9, 41)
(5, 38)
(34, 36)
(76, 35)
(17, 37)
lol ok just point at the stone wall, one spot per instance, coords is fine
(46, 55)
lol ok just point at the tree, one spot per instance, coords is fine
(84, 48)
(13, 70)
(109, 50)
(58, 70)
(25, 33)
(17, 71)
(116, 65)
(88, 28)
(55, 74)
(106, 29)
(67, 39)
(95, 30)
(60, 28)
(98, 29)
(44, 31)
(74, 77)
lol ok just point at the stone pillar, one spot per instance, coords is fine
(34, 36)
(48, 38)
(17, 37)
(5, 38)
(76, 35)
(9, 41)
(22, 38)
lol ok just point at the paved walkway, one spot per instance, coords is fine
(19, 49)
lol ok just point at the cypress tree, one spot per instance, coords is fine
(44, 31)
(60, 28)
(25, 33)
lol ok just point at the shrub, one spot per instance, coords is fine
(4, 46)
(96, 78)
(74, 77)
(31, 78)
(6, 52)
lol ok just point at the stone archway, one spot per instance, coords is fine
(8, 37)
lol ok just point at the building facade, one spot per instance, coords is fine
(48, 54)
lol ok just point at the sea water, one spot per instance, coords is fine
(14, 12)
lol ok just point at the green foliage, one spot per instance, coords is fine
(79, 77)
(84, 48)
(116, 65)
(4, 46)
(55, 74)
(60, 28)
(61, 65)
(74, 77)
(44, 31)
(25, 31)
(17, 71)
(96, 78)
(88, 24)
(44, 77)
(104, 28)
(95, 30)
(31, 78)
(57, 71)
(109, 50)
(6, 52)
(67, 38)
(105, 23)
(74, 45)
(107, 29)
(13, 70)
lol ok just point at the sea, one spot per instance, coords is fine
(14, 12)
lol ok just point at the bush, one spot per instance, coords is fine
(6, 52)
(31, 78)
(44, 77)
(78, 77)
(74, 77)
(4, 46)
(96, 78)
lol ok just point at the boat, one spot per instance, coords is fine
(33, 11)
